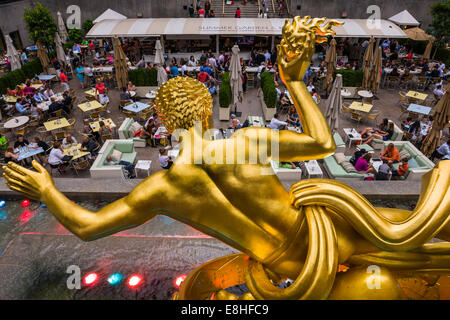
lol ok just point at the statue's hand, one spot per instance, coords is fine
(31, 183)
(297, 46)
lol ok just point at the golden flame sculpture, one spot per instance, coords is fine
(323, 234)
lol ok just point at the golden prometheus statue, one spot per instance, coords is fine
(220, 188)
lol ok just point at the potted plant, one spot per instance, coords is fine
(269, 97)
(225, 98)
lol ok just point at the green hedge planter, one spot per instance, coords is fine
(144, 77)
(351, 78)
(16, 77)
(225, 91)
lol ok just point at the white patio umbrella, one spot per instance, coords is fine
(236, 76)
(159, 56)
(161, 76)
(334, 104)
(59, 50)
(12, 54)
(62, 28)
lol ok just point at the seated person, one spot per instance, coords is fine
(56, 158)
(212, 88)
(164, 160)
(36, 112)
(402, 169)
(391, 154)
(29, 89)
(235, 123)
(385, 136)
(39, 97)
(89, 145)
(21, 142)
(125, 95)
(363, 164)
(11, 156)
(406, 124)
(275, 123)
(69, 141)
(54, 106)
(104, 129)
(438, 92)
(443, 152)
(48, 93)
(293, 118)
(21, 107)
(66, 102)
(126, 165)
(284, 101)
(310, 87)
(19, 92)
(384, 170)
(379, 129)
(131, 87)
(358, 154)
(41, 144)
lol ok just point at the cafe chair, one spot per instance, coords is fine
(346, 109)
(373, 116)
(356, 116)
(421, 83)
(22, 131)
(94, 115)
(58, 113)
(81, 166)
(59, 135)
(404, 109)
(72, 122)
(106, 137)
(402, 98)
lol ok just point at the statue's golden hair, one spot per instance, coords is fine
(181, 102)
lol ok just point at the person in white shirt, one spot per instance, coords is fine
(69, 141)
(192, 62)
(310, 87)
(212, 62)
(275, 123)
(56, 157)
(443, 152)
(439, 92)
(267, 55)
(48, 93)
(164, 159)
(184, 69)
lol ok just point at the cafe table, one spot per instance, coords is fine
(417, 108)
(16, 122)
(95, 126)
(90, 106)
(56, 124)
(416, 95)
(363, 107)
(256, 121)
(36, 86)
(10, 99)
(90, 92)
(27, 152)
(136, 107)
(75, 152)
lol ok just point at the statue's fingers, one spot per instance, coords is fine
(27, 192)
(38, 167)
(20, 184)
(19, 169)
(13, 174)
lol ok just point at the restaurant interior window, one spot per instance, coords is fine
(2, 43)
(17, 41)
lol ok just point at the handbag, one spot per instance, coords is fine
(67, 158)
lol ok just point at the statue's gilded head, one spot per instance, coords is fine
(181, 102)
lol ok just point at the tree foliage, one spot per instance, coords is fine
(76, 35)
(440, 26)
(40, 24)
(87, 25)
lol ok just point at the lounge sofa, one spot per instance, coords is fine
(126, 133)
(418, 163)
(286, 174)
(340, 144)
(397, 136)
(101, 171)
(335, 170)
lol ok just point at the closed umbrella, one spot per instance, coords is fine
(12, 54)
(42, 55)
(427, 53)
(120, 64)
(62, 28)
(161, 76)
(159, 56)
(236, 76)
(417, 34)
(330, 61)
(59, 50)
(368, 57)
(334, 104)
(375, 76)
(441, 119)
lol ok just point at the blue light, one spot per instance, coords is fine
(3, 215)
(115, 279)
(2, 203)
(43, 205)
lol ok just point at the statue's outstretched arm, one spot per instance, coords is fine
(294, 57)
(119, 215)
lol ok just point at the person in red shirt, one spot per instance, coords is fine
(402, 169)
(202, 76)
(201, 12)
(100, 90)
(238, 13)
(64, 80)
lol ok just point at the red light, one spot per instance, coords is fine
(135, 281)
(90, 279)
(25, 203)
(179, 280)
(26, 216)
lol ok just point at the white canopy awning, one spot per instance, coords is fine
(358, 28)
(110, 15)
(404, 18)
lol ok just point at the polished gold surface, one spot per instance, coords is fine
(220, 188)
